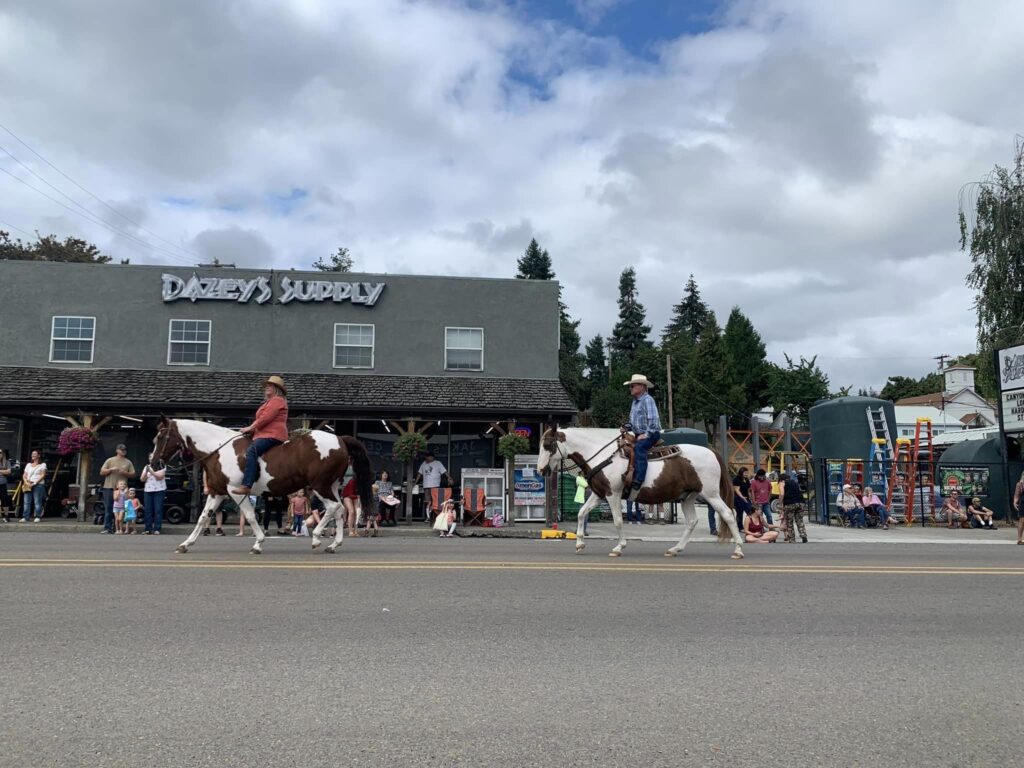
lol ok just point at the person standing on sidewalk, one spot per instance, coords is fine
(793, 509)
(153, 500)
(761, 491)
(114, 470)
(33, 487)
(1018, 506)
(5, 474)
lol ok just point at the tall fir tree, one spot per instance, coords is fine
(746, 366)
(596, 363)
(708, 390)
(535, 263)
(631, 331)
(688, 316)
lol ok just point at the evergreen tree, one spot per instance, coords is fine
(746, 366)
(708, 390)
(535, 263)
(689, 315)
(631, 331)
(340, 261)
(899, 387)
(996, 243)
(596, 363)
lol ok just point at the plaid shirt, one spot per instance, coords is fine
(643, 416)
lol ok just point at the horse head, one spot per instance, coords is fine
(551, 449)
(168, 441)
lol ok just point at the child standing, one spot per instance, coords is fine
(120, 495)
(299, 507)
(131, 511)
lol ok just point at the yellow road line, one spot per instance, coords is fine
(521, 566)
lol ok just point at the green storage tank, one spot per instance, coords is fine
(840, 428)
(975, 468)
(685, 436)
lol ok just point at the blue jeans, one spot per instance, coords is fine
(108, 510)
(633, 512)
(711, 521)
(153, 514)
(259, 446)
(640, 450)
(855, 516)
(742, 508)
(33, 498)
(296, 524)
(766, 510)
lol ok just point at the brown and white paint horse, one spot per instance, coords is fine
(316, 460)
(695, 471)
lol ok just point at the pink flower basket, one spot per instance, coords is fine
(76, 440)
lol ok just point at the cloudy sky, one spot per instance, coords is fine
(802, 159)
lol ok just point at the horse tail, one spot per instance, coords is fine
(360, 462)
(726, 492)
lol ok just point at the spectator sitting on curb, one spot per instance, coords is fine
(953, 510)
(978, 515)
(757, 530)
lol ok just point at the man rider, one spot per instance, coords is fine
(645, 423)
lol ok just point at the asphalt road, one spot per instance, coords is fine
(406, 651)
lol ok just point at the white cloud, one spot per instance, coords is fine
(802, 159)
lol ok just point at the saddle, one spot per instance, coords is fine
(658, 452)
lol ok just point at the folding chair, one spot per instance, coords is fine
(474, 506)
(435, 498)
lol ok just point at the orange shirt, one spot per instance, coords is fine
(272, 419)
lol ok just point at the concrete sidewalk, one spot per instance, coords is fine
(898, 534)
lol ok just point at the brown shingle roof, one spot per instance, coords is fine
(307, 392)
(935, 399)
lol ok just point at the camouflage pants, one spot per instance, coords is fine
(793, 518)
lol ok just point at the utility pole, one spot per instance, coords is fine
(668, 371)
(942, 361)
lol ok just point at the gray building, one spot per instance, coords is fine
(460, 359)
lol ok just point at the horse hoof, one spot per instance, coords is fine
(614, 554)
(316, 542)
(670, 553)
(580, 548)
(255, 551)
(182, 549)
(330, 550)
(737, 556)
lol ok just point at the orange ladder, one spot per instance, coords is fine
(924, 467)
(899, 478)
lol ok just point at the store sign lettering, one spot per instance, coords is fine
(1011, 368)
(259, 290)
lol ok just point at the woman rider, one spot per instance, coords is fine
(269, 428)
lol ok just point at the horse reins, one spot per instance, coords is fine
(586, 462)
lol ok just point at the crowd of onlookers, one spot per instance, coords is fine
(858, 506)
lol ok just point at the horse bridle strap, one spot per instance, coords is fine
(585, 466)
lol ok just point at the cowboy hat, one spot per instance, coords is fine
(278, 382)
(638, 378)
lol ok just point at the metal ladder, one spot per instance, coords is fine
(879, 427)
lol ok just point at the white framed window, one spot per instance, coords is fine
(353, 346)
(188, 342)
(72, 339)
(464, 349)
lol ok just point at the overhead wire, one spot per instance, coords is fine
(97, 197)
(95, 220)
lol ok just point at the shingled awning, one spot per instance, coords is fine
(337, 395)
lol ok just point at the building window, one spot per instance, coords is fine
(464, 349)
(71, 339)
(353, 346)
(188, 342)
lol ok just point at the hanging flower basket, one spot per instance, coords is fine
(512, 445)
(409, 447)
(76, 440)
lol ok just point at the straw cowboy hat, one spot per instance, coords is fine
(278, 382)
(638, 378)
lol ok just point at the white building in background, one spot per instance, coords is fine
(957, 407)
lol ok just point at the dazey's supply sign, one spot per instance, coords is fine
(259, 290)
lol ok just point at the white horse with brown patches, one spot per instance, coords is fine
(317, 460)
(691, 472)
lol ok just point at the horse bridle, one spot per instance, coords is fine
(585, 467)
(181, 449)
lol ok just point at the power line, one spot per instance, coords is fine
(95, 196)
(16, 229)
(92, 218)
(59, 246)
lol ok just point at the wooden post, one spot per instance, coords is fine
(510, 483)
(85, 463)
(410, 427)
